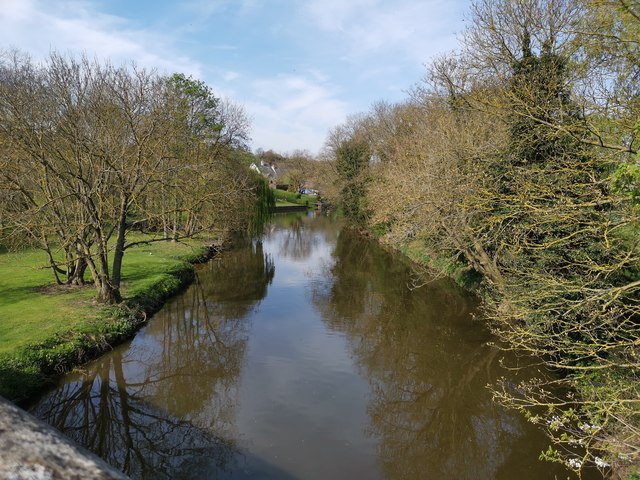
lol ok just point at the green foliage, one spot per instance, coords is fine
(540, 101)
(352, 157)
(626, 180)
(265, 200)
(352, 161)
(380, 229)
(295, 197)
(197, 108)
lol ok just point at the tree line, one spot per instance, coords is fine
(515, 161)
(90, 152)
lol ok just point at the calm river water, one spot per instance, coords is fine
(304, 356)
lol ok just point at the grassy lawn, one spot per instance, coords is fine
(149, 264)
(32, 307)
(284, 203)
(295, 198)
(42, 325)
(27, 312)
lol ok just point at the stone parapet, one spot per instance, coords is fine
(32, 450)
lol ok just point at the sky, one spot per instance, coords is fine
(298, 67)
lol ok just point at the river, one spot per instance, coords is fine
(308, 355)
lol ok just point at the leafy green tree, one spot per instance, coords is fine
(563, 245)
(349, 148)
(352, 161)
(196, 125)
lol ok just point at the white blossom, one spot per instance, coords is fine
(574, 463)
(592, 429)
(555, 422)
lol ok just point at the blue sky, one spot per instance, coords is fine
(298, 67)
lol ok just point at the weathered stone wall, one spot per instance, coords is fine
(32, 450)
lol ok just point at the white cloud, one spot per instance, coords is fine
(230, 76)
(373, 48)
(293, 111)
(415, 30)
(72, 26)
(338, 15)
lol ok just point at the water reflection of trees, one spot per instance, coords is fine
(110, 416)
(300, 233)
(165, 406)
(233, 284)
(428, 367)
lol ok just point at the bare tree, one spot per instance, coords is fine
(95, 150)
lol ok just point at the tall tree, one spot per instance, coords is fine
(563, 243)
(351, 151)
(90, 146)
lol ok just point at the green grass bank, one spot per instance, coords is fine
(46, 329)
(283, 197)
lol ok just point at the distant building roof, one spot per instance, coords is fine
(266, 170)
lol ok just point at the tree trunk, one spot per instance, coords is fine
(79, 268)
(176, 220)
(53, 265)
(118, 252)
(107, 293)
(476, 255)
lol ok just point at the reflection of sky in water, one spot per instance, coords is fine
(302, 402)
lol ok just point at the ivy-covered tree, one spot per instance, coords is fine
(566, 251)
(352, 160)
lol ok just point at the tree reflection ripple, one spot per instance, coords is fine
(163, 405)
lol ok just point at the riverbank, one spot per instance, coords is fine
(49, 329)
(288, 208)
(435, 265)
(282, 197)
(579, 388)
